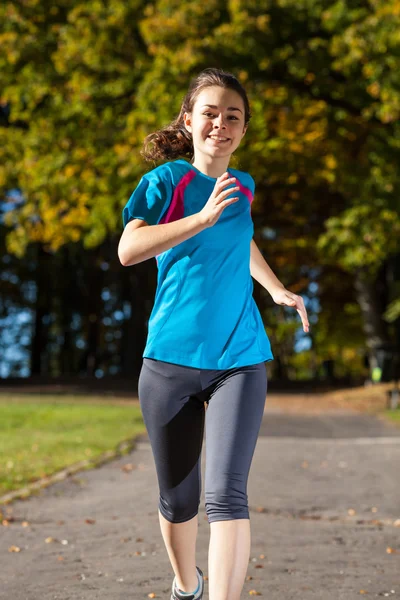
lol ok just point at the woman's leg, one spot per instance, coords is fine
(233, 421)
(174, 421)
(228, 558)
(180, 542)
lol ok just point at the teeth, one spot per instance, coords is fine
(216, 137)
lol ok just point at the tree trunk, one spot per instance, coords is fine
(43, 308)
(371, 293)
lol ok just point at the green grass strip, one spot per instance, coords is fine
(40, 438)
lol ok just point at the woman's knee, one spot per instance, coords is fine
(226, 503)
(175, 510)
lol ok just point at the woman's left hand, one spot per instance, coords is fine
(284, 297)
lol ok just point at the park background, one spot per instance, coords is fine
(82, 84)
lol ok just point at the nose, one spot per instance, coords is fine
(219, 122)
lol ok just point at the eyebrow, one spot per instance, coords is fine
(214, 106)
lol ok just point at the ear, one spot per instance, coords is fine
(244, 130)
(187, 121)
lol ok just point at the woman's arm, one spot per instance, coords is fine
(141, 241)
(262, 273)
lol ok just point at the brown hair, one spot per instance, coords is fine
(175, 140)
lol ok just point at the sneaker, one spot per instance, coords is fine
(176, 595)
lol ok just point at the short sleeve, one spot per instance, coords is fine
(151, 198)
(252, 184)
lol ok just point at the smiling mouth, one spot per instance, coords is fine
(218, 138)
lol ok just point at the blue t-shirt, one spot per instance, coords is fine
(204, 313)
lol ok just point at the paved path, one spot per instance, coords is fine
(324, 497)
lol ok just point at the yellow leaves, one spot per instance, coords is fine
(122, 150)
(330, 161)
(70, 170)
(264, 63)
(312, 136)
(14, 549)
(374, 89)
(295, 147)
(309, 78)
(262, 22)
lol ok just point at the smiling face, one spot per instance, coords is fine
(217, 123)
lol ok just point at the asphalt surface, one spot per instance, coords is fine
(324, 498)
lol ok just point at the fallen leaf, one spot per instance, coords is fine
(128, 467)
(397, 523)
(351, 512)
(304, 464)
(5, 523)
(374, 509)
(90, 521)
(249, 577)
(260, 509)
(254, 593)
(14, 549)
(363, 592)
(152, 595)
(262, 556)
(139, 539)
(60, 522)
(390, 550)
(258, 566)
(60, 558)
(49, 540)
(25, 524)
(137, 553)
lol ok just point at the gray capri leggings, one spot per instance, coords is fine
(172, 400)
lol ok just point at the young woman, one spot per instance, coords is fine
(206, 340)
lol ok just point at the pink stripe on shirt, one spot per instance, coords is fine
(246, 191)
(176, 209)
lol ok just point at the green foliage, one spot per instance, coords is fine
(362, 236)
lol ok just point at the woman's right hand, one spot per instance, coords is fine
(216, 203)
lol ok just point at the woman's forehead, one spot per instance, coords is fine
(222, 98)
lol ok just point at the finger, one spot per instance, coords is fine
(304, 318)
(220, 185)
(229, 201)
(222, 177)
(222, 195)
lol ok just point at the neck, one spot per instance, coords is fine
(213, 167)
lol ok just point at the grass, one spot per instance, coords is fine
(41, 436)
(393, 415)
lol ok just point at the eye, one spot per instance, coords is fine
(208, 114)
(234, 118)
